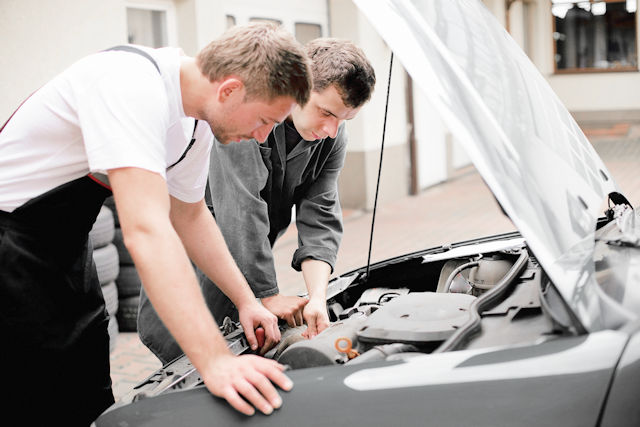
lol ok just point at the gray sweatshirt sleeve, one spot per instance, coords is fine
(237, 174)
(318, 214)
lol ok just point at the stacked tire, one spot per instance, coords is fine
(105, 257)
(128, 282)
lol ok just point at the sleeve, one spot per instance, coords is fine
(318, 213)
(124, 116)
(237, 174)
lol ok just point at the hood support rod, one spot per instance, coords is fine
(375, 202)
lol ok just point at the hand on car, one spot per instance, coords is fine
(253, 315)
(242, 379)
(288, 308)
(316, 316)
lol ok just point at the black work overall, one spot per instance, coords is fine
(53, 320)
(52, 312)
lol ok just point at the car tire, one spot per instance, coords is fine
(128, 314)
(103, 229)
(110, 294)
(107, 263)
(112, 329)
(111, 204)
(128, 281)
(123, 252)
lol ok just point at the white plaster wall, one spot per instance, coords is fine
(430, 134)
(366, 129)
(38, 39)
(287, 11)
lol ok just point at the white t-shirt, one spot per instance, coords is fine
(108, 110)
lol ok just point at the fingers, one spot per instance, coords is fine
(298, 317)
(312, 330)
(322, 324)
(251, 337)
(256, 387)
(266, 390)
(272, 336)
(274, 372)
(291, 320)
(253, 396)
(237, 402)
(272, 331)
(268, 345)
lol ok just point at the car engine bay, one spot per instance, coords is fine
(405, 307)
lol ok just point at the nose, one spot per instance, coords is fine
(331, 127)
(261, 133)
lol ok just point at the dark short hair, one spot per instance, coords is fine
(341, 63)
(266, 57)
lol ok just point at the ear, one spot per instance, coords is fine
(231, 88)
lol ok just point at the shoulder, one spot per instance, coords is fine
(339, 143)
(117, 64)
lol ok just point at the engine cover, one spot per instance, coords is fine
(417, 318)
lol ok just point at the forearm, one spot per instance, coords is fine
(163, 265)
(171, 285)
(206, 247)
(316, 277)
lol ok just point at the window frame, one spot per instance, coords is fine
(319, 25)
(592, 70)
(166, 6)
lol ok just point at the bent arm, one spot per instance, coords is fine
(143, 205)
(207, 248)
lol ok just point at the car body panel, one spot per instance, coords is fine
(529, 150)
(558, 382)
(622, 404)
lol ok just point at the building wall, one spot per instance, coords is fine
(37, 44)
(358, 179)
(38, 39)
(612, 94)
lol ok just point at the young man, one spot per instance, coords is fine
(122, 121)
(254, 187)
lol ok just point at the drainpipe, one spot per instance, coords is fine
(507, 21)
(413, 149)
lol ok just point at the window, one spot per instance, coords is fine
(231, 21)
(595, 35)
(147, 27)
(307, 32)
(274, 21)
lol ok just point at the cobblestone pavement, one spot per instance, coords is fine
(459, 209)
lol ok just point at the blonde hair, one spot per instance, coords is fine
(266, 57)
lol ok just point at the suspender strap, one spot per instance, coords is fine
(132, 49)
(193, 140)
(121, 47)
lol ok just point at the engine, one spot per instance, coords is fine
(385, 321)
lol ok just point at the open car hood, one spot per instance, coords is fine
(523, 141)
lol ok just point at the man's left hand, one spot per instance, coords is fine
(288, 308)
